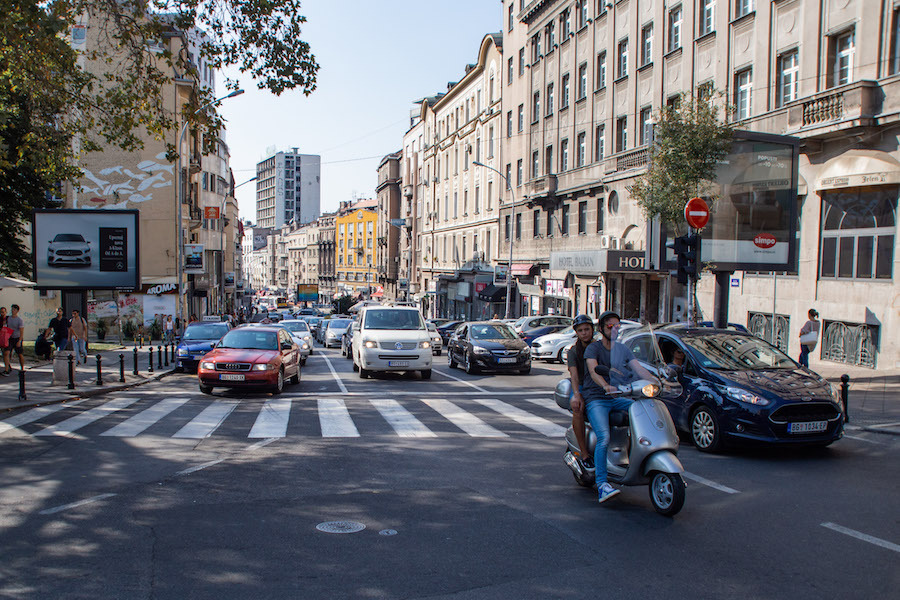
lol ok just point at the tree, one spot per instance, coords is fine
(689, 142)
(57, 100)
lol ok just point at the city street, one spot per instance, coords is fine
(398, 487)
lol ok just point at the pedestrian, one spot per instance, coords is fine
(78, 332)
(5, 334)
(193, 319)
(809, 336)
(17, 324)
(60, 326)
(170, 329)
(43, 345)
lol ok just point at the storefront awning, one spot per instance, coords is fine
(493, 293)
(522, 268)
(858, 167)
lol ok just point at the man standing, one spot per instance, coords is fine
(78, 332)
(60, 326)
(17, 324)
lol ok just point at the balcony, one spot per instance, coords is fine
(634, 159)
(831, 113)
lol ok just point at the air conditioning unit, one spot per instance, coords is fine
(615, 243)
(46, 294)
(604, 241)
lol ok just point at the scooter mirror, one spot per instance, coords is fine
(672, 372)
(602, 370)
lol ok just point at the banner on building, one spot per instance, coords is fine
(193, 258)
(308, 292)
(229, 280)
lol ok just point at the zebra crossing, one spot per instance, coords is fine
(184, 417)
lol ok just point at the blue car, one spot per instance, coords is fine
(740, 390)
(198, 339)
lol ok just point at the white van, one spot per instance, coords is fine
(391, 338)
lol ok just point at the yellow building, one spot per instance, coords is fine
(355, 248)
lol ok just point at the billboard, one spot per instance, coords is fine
(85, 249)
(308, 292)
(193, 258)
(229, 280)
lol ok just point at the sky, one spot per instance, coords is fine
(376, 59)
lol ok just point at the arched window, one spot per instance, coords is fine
(858, 233)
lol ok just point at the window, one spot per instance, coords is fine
(646, 126)
(564, 156)
(788, 77)
(564, 220)
(844, 50)
(535, 107)
(564, 97)
(859, 229)
(581, 12)
(705, 91)
(518, 226)
(477, 151)
(535, 48)
(509, 123)
(490, 142)
(676, 16)
(580, 149)
(509, 71)
(506, 227)
(512, 19)
(455, 205)
(548, 159)
(521, 61)
(521, 117)
(565, 24)
(535, 164)
(647, 44)
(550, 30)
(519, 173)
(743, 82)
(599, 142)
(895, 43)
(601, 71)
(549, 99)
(477, 200)
(706, 17)
(536, 223)
(550, 217)
(465, 206)
(601, 203)
(622, 63)
(490, 194)
(621, 134)
(742, 7)
(582, 218)
(582, 81)
(673, 103)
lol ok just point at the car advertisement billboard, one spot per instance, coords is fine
(85, 249)
(193, 258)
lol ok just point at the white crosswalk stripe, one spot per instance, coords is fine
(522, 417)
(403, 421)
(75, 423)
(272, 421)
(207, 421)
(145, 419)
(35, 414)
(462, 419)
(334, 419)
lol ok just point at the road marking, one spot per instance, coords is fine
(260, 444)
(403, 421)
(710, 483)
(334, 374)
(880, 425)
(462, 419)
(63, 507)
(550, 405)
(539, 424)
(862, 536)
(144, 419)
(199, 467)
(272, 421)
(413, 392)
(862, 439)
(75, 423)
(334, 419)
(35, 414)
(207, 421)
(468, 383)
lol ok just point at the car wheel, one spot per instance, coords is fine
(705, 430)
(364, 373)
(296, 378)
(559, 357)
(348, 355)
(303, 362)
(206, 389)
(666, 492)
(525, 371)
(279, 383)
(438, 352)
(470, 367)
(426, 373)
(451, 363)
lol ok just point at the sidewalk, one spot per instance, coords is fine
(39, 377)
(874, 398)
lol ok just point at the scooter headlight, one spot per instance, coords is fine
(651, 390)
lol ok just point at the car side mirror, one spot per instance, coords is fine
(672, 372)
(286, 346)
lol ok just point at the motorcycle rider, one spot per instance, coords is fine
(584, 330)
(595, 388)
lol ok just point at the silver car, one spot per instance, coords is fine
(299, 330)
(69, 249)
(333, 331)
(436, 341)
(552, 346)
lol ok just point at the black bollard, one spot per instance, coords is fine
(71, 372)
(150, 368)
(167, 354)
(121, 368)
(99, 373)
(159, 357)
(22, 397)
(135, 371)
(845, 396)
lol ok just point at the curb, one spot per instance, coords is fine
(884, 430)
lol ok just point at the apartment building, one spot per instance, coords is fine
(327, 252)
(389, 233)
(356, 248)
(288, 189)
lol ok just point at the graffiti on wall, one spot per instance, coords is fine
(117, 186)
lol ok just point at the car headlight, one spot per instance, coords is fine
(526, 350)
(183, 352)
(305, 346)
(425, 345)
(208, 365)
(264, 367)
(835, 394)
(369, 344)
(742, 395)
(480, 350)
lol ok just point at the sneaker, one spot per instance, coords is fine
(5, 373)
(606, 492)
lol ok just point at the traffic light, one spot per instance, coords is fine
(679, 247)
(687, 252)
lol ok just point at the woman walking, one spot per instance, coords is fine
(809, 336)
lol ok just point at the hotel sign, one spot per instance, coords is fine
(596, 262)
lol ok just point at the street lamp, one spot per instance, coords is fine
(179, 199)
(512, 232)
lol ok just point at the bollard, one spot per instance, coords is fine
(141, 342)
(22, 397)
(159, 357)
(167, 354)
(121, 368)
(99, 373)
(150, 367)
(71, 372)
(135, 371)
(845, 396)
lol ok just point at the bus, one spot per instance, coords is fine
(282, 302)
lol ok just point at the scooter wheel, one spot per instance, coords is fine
(666, 492)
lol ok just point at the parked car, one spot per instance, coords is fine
(447, 329)
(198, 339)
(299, 330)
(251, 357)
(347, 340)
(739, 389)
(69, 249)
(391, 339)
(333, 331)
(552, 346)
(488, 345)
(534, 327)
(437, 343)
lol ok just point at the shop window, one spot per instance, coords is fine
(858, 232)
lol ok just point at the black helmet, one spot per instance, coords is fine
(607, 315)
(581, 320)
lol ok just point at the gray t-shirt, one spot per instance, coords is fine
(617, 360)
(15, 323)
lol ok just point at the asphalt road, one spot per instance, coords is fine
(456, 486)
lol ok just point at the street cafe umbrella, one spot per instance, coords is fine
(355, 308)
(11, 282)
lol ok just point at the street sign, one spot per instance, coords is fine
(696, 213)
(210, 212)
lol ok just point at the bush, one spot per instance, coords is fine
(102, 328)
(156, 330)
(129, 330)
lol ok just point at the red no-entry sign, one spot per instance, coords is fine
(696, 213)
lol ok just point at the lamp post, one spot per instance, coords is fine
(512, 233)
(179, 199)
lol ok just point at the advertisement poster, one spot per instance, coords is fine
(86, 249)
(308, 292)
(158, 307)
(193, 258)
(229, 280)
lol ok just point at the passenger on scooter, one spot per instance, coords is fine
(623, 368)
(584, 330)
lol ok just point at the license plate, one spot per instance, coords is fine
(229, 377)
(506, 360)
(398, 363)
(807, 427)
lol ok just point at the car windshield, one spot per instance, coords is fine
(295, 326)
(68, 237)
(492, 332)
(393, 319)
(568, 330)
(250, 339)
(735, 352)
(205, 332)
(339, 323)
(315, 320)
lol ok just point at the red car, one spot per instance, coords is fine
(251, 357)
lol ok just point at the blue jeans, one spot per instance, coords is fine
(598, 414)
(61, 344)
(804, 355)
(80, 349)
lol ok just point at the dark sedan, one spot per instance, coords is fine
(738, 389)
(198, 339)
(488, 345)
(446, 329)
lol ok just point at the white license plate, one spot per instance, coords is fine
(398, 363)
(807, 427)
(506, 360)
(229, 377)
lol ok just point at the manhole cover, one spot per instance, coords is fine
(388, 532)
(340, 527)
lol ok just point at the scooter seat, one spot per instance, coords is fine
(618, 418)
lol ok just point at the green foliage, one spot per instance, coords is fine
(689, 142)
(129, 330)
(342, 305)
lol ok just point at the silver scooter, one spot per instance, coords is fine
(643, 444)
